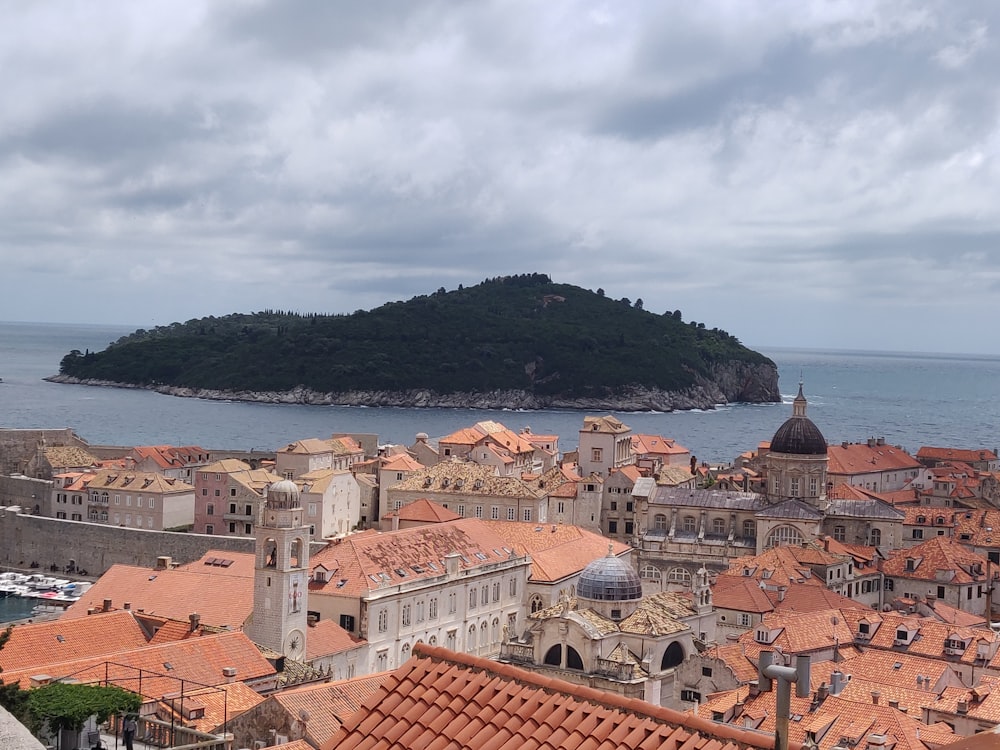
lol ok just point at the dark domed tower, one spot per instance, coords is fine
(797, 460)
(610, 586)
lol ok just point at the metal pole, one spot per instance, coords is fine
(799, 674)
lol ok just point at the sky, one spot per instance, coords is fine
(800, 174)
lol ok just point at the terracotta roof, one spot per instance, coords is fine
(426, 511)
(220, 705)
(59, 640)
(557, 550)
(740, 593)
(657, 445)
(328, 704)
(401, 462)
(169, 456)
(295, 745)
(982, 701)
(671, 476)
(326, 638)
(804, 598)
(360, 563)
(138, 481)
(199, 660)
(606, 423)
(929, 453)
(924, 561)
(221, 595)
(441, 699)
(861, 458)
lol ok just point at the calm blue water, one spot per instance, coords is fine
(15, 608)
(910, 399)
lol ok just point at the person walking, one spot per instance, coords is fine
(128, 731)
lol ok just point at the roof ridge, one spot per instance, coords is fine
(634, 706)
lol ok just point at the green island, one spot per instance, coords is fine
(508, 342)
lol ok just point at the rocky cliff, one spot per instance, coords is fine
(731, 382)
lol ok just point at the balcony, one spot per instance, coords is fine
(517, 653)
(615, 670)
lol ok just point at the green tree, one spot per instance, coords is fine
(63, 705)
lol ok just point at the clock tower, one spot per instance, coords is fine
(281, 573)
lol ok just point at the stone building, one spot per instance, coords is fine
(612, 637)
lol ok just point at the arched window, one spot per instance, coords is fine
(433, 640)
(573, 660)
(553, 657)
(404, 653)
(690, 524)
(876, 537)
(673, 656)
(650, 572)
(471, 645)
(782, 536)
(296, 553)
(496, 630)
(535, 603)
(750, 529)
(660, 522)
(718, 525)
(679, 575)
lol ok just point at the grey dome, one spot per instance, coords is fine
(799, 436)
(283, 494)
(609, 579)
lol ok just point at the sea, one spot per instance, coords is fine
(910, 399)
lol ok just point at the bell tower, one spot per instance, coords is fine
(281, 573)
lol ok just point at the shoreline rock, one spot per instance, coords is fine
(734, 382)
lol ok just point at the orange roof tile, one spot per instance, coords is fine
(329, 704)
(221, 595)
(426, 511)
(442, 699)
(923, 561)
(58, 640)
(861, 458)
(557, 550)
(929, 453)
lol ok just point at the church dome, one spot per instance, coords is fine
(283, 494)
(799, 435)
(609, 579)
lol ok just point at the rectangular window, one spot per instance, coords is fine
(347, 622)
(472, 599)
(479, 511)
(210, 529)
(128, 519)
(560, 507)
(511, 514)
(495, 512)
(383, 621)
(232, 527)
(312, 509)
(232, 508)
(210, 510)
(746, 620)
(232, 492)
(138, 501)
(527, 514)
(218, 493)
(612, 527)
(630, 507)
(248, 510)
(614, 505)
(629, 527)
(152, 502)
(595, 454)
(461, 511)
(204, 492)
(248, 529)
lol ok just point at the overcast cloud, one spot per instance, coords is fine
(818, 174)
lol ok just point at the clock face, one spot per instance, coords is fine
(295, 644)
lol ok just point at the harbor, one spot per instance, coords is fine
(32, 595)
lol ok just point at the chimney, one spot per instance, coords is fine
(962, 707)
(195, 620)
(229, 673)
(753, 689)
(893, 703)
(880, 441)
(781, 593)
(822, 692)
(107, 606)
(844, 445)
(452, 563)
(876, 695)
(127, 606)
(876, 741)
(163, 562)
(871, 442)
(395, 521)
(837, 682)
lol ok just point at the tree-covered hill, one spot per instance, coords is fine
(520, 333)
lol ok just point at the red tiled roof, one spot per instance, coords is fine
(426, 511)
(929, 453)
(221, 595)
(329, 704)
(557, 550)
(441, 699)
(936, 554)
(740, 593)
(861, 458)
(59, 640)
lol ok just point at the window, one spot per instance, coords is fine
(209, 529)
(679, 575)
(527, 514)
(479, 511)
(612, 527)
(660, 522)
(495, 512)
(813, 486)
(839, 533)
(706, 671)
(382, 660)
(745, 619)
(451, 639)
(750, 529)
(718, 525)
(630, 507)
(783, 536)
(472, 599)
(496, 591)
(232, 527)
(452, 602)
(152, 502)
(312, 510)
(406, 614)
(248, 529)
(232, 508)
(210, 510)
(383, 620)
(218, 493)
(595, 454)
(875, 537)
(940, 592)
(513, 586)
(247, 510)
(461, 511)
(484, 595)
(795, 487)
(918, 533)
(138, 501)
(614, 505)
(432, 609)
(347, 622)
(232, 492)
(560, 507)
(629, 527)
(689, 523)
(204, 493)
(512, 514)
(690, 696)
